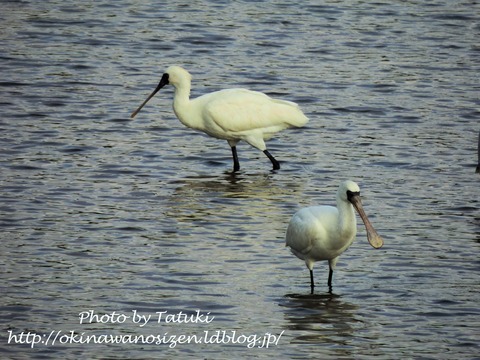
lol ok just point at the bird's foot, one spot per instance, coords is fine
(275, 163)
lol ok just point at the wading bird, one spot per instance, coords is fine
(324, 232)
(231, 114)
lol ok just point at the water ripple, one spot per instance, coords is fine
(102, 212)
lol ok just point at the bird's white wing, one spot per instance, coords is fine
(308, 227)
(238, 110)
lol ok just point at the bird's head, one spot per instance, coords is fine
(347, 190)
(176, 76)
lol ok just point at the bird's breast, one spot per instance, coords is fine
(319, 233)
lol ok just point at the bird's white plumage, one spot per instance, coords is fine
(233, 114)
(323, 232)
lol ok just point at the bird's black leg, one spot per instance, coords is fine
(330, 274)
(276, 164)
(312, 285)
(236, 164)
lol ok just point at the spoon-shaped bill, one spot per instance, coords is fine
(373, 238)
(161, 84)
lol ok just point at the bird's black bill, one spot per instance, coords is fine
(161, 84)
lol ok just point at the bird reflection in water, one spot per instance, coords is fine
(321, 319)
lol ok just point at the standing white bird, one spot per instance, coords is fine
(232, 114)
(325, 232)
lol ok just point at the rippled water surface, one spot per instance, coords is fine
(111, 217)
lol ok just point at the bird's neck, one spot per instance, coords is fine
(182, 94)
(181, 103)
(347, 221)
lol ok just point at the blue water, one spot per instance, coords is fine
(101, 213)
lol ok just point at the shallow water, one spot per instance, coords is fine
(100, 213)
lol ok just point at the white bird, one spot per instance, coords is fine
(325, 232)
(231, 114)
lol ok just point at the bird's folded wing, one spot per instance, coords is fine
(238, 110)
(301, 235)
